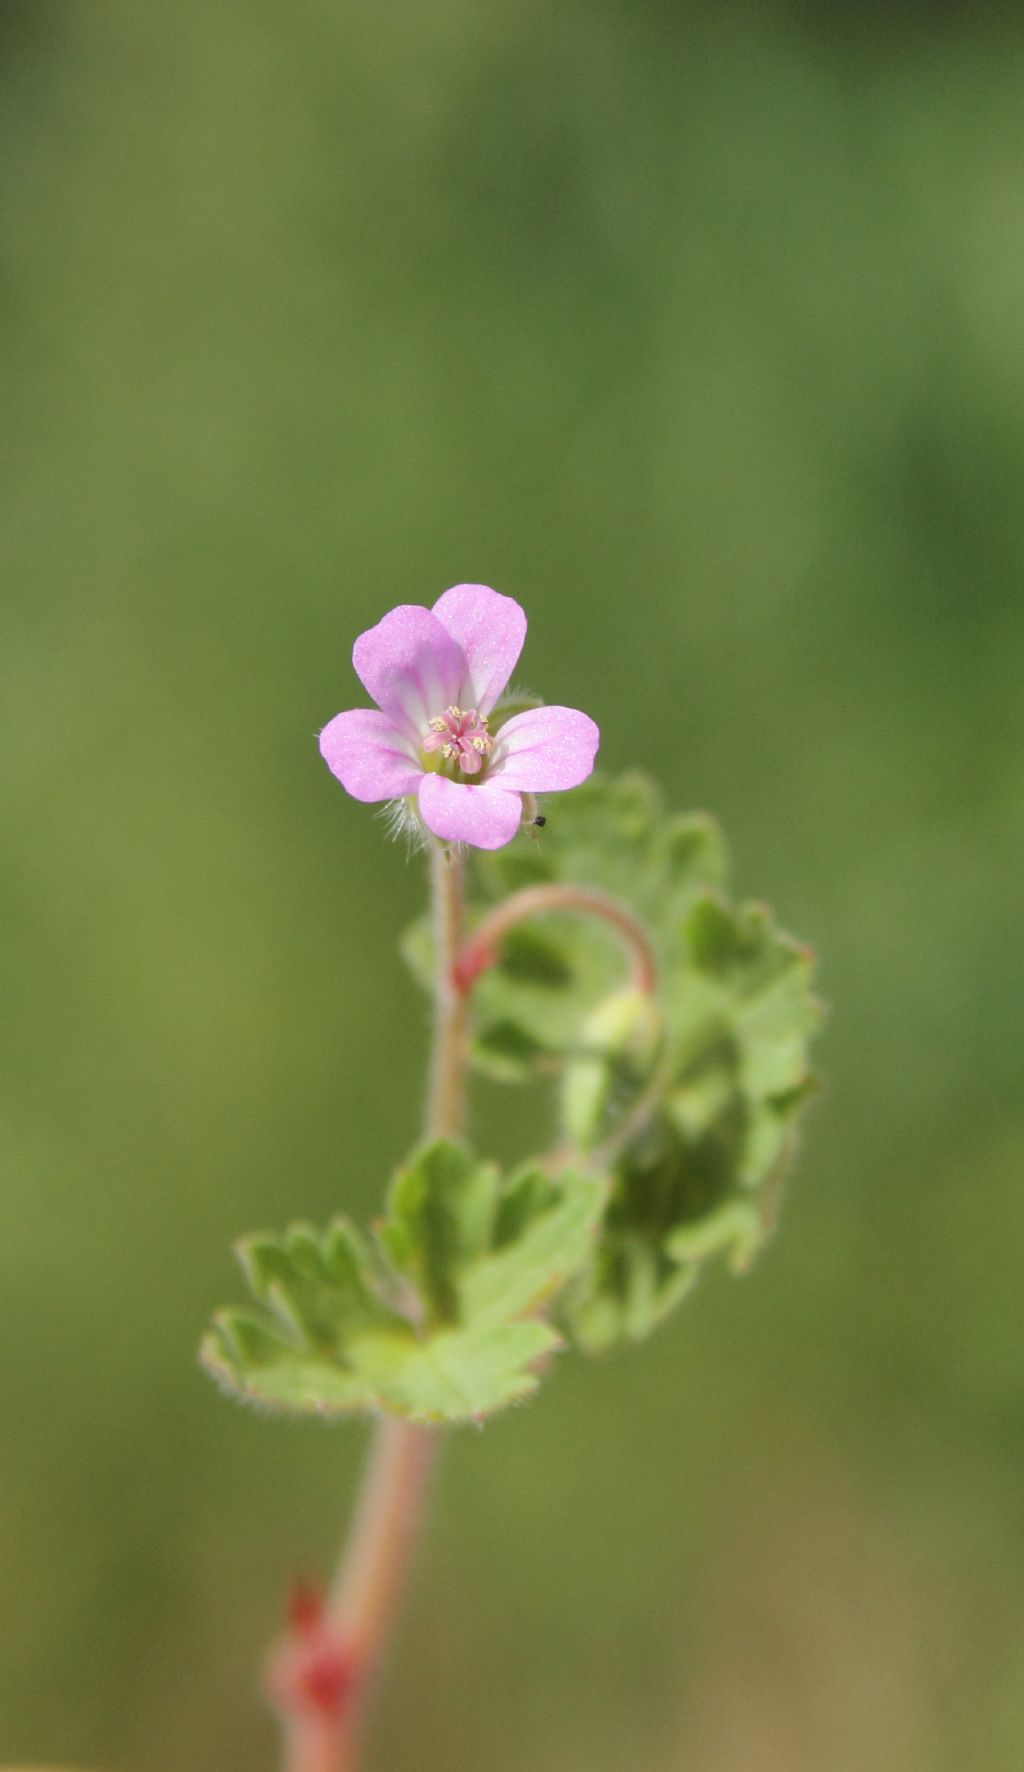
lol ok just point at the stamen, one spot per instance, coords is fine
(461, 736)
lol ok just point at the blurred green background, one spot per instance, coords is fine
(701, 332)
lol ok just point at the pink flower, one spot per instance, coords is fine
(435, 675)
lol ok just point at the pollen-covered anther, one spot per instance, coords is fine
(461, 737)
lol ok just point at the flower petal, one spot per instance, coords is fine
(410, 665)
(544, 749)
(371, 759)
(485, 816)
(490, 629)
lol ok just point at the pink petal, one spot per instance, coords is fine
(410, 665)
(490, 629)
(544, 749)
(371, 760)
(484, 816)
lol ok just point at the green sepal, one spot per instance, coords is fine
(436, 1321)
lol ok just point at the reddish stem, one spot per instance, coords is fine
(322, 1674)
(332, 1666)
(482, 949)
(320, 1677)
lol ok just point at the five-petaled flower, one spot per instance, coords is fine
(436, 675)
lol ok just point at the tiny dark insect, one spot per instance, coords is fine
(539, 823)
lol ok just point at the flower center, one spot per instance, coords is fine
(462, 739)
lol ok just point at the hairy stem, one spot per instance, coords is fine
(363, 1604)
(360, 1610)
(446, 1089)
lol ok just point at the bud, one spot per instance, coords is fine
(620, 1046)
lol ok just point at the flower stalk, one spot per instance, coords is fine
(446, 1087)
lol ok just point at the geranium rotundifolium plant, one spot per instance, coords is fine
(596, 946)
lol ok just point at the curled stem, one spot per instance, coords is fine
(482, 950)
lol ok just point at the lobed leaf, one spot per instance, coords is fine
(693, 1099)
(699, 1176)
(435, 1322)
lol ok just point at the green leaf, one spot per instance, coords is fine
(458, 1374)
(436, 1322)
(543, 1238)
(687, 1103)
(692, 1099)
(440, 1218)
(699, 1177)
(620, 1056)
